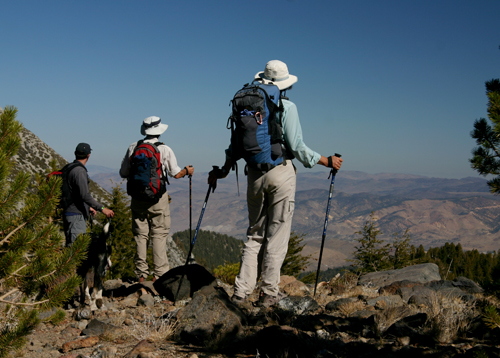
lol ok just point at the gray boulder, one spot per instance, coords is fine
(297, 305)
(335, 305)
(422, 295)
(398, 286)
(386, 301)
(96, 328)
(210, 319)
(467, 285)
(417, 273)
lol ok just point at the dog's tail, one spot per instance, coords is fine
(106, 228)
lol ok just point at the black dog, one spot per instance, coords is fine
(94, 269)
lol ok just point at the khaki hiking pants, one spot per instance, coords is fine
(271, 202)
(151, 222)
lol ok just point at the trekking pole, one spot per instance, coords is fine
(333, 172)
(210, 187)
(190, 210)
(91, 219)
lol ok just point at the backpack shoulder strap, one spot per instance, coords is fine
(156, 145)
(70, 166)
(139, 142)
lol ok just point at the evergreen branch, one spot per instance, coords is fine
(492, 146)
(6, 239)
(21, 304)
(46, 202)
(12, 274)
(47, 275)
(21, 186)
(12, 338)
(491, 317)
(14, 290)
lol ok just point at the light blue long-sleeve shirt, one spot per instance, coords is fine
(292, 135)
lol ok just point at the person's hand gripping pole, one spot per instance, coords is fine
(333, 172)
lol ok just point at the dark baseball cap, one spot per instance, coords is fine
(82, 149)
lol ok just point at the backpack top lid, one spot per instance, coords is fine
(257, 97)
(256, 133)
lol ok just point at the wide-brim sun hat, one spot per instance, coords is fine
(276, 72)
(153, 126)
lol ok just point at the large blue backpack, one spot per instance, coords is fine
(255, 123)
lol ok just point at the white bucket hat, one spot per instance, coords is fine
(152, 126)
(276, 72)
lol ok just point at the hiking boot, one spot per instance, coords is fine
(266, 300)
(237, 300)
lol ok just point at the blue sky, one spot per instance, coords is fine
(394, 86)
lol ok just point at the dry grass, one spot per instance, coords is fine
(450, 316)
(386, 318)
(348, 308)
(342, 284)
(152, 327)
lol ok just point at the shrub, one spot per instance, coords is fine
(227, 273)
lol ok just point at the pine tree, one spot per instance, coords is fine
(486, 157)
(122, 240)
(36, 271)
(420, 254)
(295, 263)
(211, 249)
(372, 254)
(401, 256)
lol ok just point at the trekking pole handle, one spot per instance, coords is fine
(219, 174)
(333, 171)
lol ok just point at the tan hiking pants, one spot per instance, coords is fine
(151, 222)
(271, 201)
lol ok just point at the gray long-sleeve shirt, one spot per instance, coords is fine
(78, 182)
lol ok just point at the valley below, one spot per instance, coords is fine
(433, 210)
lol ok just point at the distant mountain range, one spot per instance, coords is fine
(435, 210)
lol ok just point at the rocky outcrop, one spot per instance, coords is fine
(417, 273)
(210, 319)
(439, 318)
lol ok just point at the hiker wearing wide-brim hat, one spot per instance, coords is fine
(271, 193)
(150, 203)
(153, 126)
(276, 72)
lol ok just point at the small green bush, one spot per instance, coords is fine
(491, 317)
(227, 273)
